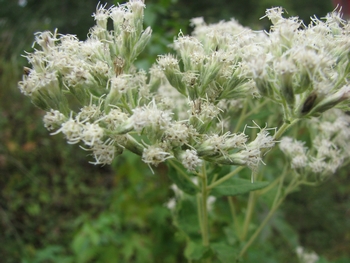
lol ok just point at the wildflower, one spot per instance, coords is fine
(150, 116)
(292, 147)
(274, 14)
(122, 83)
(53, 119)
(223, 144)
(167, 62)
(177, 134)
(35, 81)
(263, 138)
(90, 112)
(190, 160)
(101, 16)
(104, 152)
(299, 161)
(46, 40)
(72, 129)
(296, 151)
(317, 165)
(91, 133)
(114, 119)
(154, 155)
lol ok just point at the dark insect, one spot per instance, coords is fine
(26, 71)
(309, 103)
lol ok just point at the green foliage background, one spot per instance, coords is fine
(56, 207)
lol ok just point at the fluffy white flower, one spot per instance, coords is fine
(91, 133)
(190, 160)
(53, 119)
(151, 116)
(103, 152)
(72, 130)
(154, 155)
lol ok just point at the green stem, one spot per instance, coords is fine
(242, 116)
(293, 184)
(262, 225)
(255, 109)
(204, 208)
(200, 212)
(180, 171)
(214, 178)
(279, 189)
(234, 215)
(249, 214)
(270, 186)
(226, 177)
(283, 128)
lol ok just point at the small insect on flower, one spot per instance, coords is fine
(118, 65)
(309, 103)
(197, 107)
(26, 71)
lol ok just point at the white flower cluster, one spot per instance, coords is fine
(185, 107)
(295, 150)
(329, 147)
(304, 68)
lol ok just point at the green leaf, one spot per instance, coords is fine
(225, 253)
(195, 251)
(179, 179)
(187, 219)
(237, 186)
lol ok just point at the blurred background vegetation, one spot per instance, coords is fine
(56, 207)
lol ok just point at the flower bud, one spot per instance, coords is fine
(332, 100)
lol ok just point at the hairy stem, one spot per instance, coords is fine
(204, 209)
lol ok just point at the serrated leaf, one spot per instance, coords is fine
(224, 252)
(195, 251)
(237, 186)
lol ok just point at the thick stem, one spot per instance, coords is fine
(199, 212)
(283, 128)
